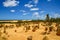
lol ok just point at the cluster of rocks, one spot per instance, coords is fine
(34, 28)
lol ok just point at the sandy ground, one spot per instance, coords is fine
(20, 34)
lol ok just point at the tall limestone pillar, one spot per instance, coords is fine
(58, 31)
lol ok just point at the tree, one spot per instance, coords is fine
(47, 18)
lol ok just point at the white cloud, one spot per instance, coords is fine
(12, 10)
(42, 11)
(56, 15)
(24, 14)
(48, 0)
(33, 9)
(10, 3)
(42, 16)
(28, 5)
(36, 14)
(35, 1)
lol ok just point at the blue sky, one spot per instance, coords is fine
(28, 9)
